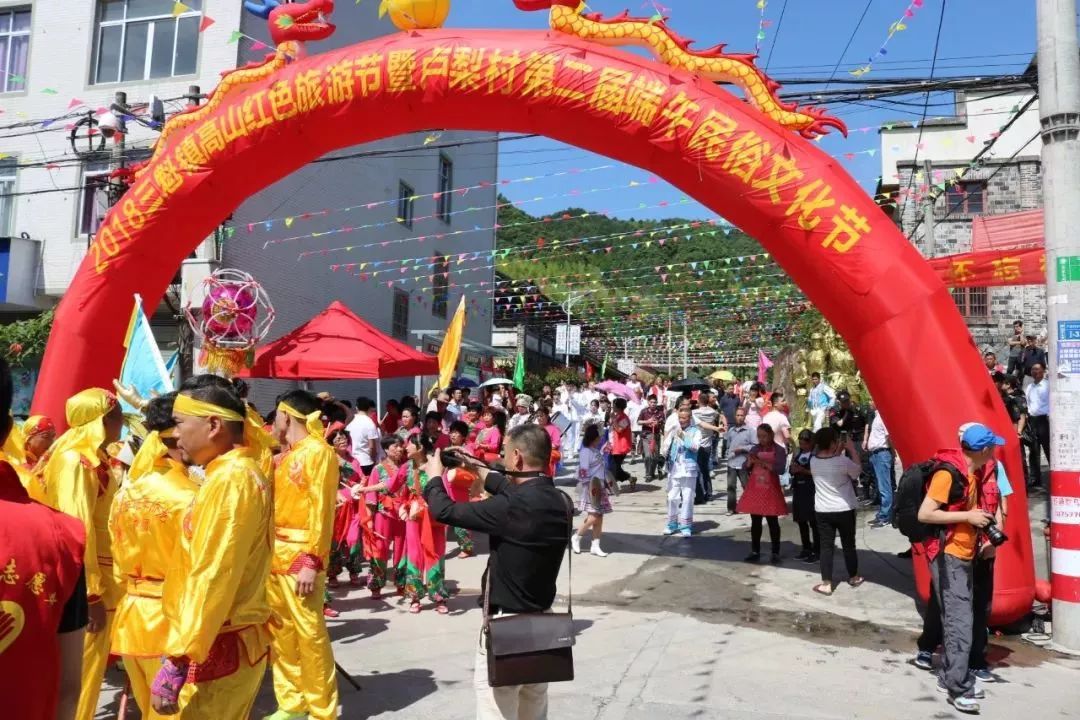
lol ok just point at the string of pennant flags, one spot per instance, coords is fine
(897, 27)
(573, 193)
(430, 262)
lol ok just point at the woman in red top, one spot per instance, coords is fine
(543, 419)
(390, 421)
(622, 439)
(488, 444)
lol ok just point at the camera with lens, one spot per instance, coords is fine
(994, 534)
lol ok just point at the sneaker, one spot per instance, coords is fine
(671, 528)
(877, 523)
(752, 557)
(775, 559)
(575, 543)
(685, 530)
(329, 612)
(804, 554)
(810, 559)
(984, 675)
(595, 550)
(976, 692)
(924, 660)
(965, 704)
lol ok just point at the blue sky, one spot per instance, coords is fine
(978, 37)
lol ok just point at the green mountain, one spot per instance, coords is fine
(639, 272)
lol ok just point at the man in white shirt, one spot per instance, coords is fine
(521, 412)
(1038, 406)
(456, 406)
(635, 386)
(365, 436)
(579, 407)
(707, 419)
(633, 409)
(876, 445)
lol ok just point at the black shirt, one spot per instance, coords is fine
(729, 403)
(851, 420)
(528, 526)
(1032, 356)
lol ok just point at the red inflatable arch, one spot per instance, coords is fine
(910, 342)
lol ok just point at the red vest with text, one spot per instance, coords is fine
(41, 553)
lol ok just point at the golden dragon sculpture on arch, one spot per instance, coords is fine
(654, 34)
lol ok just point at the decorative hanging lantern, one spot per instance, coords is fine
(233, 316)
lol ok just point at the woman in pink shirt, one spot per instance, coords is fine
(543, 419)
(488, 443)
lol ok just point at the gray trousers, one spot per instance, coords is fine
(951, 578)
(735, 478)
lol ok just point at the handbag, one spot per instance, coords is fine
(531, 648)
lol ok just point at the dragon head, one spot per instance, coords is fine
(295, 21)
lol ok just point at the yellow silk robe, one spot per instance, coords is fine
(145, 525)
(305, 490)
(218, 577)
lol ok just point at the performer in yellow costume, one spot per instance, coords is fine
(145, 525)
(305, 490)
(74, 478)
(214, 596)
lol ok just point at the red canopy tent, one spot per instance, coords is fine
(338, 345)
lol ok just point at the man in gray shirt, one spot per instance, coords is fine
(739, 438)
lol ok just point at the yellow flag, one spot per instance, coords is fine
(179, 8)
(451, 346)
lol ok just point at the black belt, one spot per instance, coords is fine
(880, 450)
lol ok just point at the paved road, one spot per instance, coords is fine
(680, 629)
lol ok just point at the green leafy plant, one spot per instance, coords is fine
(24, 340)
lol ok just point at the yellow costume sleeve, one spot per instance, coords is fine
(225, 526)
(73, 489)
(322, 471)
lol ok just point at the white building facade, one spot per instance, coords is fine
(62, 62)
(935, 158)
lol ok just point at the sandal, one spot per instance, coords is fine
(414, 608)
(856, 581)
(440, 607)
(824, 589)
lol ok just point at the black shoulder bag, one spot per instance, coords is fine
(531, 648)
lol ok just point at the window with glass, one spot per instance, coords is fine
(972, 302)
(8, 168)
(440, 285)
(14, 48)
(143, 39)
(400, 324)
(966, 198)
(94, 200)
(446, 188)
(406, 204)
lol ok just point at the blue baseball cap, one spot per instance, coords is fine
(976, 436)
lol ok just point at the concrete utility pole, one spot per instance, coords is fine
(1059, 115)
(669, 359)
(929, 238)
(567, 307)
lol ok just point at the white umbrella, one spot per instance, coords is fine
(496, 381)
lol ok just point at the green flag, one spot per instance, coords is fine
(519, 372)
(603, 368)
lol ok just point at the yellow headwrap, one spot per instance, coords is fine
(151, 451)
(254, 436)
(312, 421)
(14, 447)
(86, 431)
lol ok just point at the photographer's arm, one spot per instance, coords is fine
(486, 516)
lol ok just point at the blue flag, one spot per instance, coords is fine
(143, 369)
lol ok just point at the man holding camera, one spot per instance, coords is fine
(953, 500)
(527, 520)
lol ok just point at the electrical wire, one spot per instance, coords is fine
(926, 107)
(775, 35)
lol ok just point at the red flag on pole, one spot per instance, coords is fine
(588, 371)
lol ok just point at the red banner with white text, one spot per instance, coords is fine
(992, 268)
